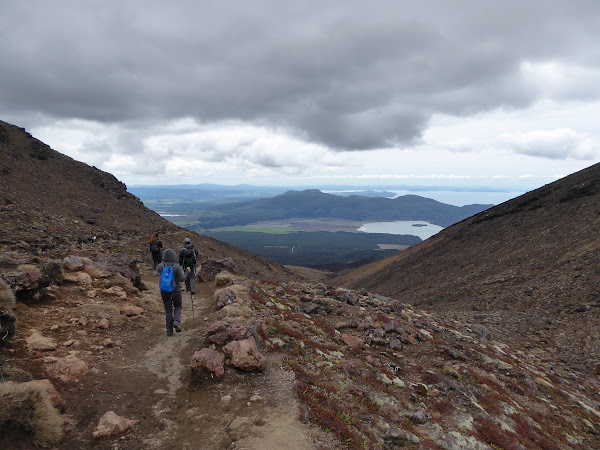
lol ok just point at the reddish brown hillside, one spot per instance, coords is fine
(530, 264)
(86, 362)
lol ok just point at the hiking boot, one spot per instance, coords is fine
(177, 328)
(169, 333)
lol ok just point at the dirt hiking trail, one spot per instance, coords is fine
(150, 380)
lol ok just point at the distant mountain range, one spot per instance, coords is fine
(313, 203)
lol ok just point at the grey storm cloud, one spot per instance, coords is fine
(350, 75)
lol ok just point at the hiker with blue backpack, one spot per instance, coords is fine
(171, 274)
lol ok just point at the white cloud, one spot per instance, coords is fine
(560, 80)
(553, 144)
(289, 91)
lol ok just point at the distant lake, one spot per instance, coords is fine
(424, 230)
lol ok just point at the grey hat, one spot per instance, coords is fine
(187, 241)
(169, 256)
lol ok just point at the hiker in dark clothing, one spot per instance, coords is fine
(156, 246)
(188, 259)
(172, 300)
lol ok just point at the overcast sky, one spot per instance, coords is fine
(439, 92)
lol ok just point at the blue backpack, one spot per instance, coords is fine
(166, 283)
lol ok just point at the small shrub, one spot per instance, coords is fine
(7, 297)
(491, 402)
(493, 435)
(430, 377)
(25, 409)
(443, 407)
(223, 279)
(532, 434)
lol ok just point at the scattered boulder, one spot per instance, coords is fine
(348, 297)
(73, 263)
(37, 342)
(225, 297)
(96, 272)
(396, 345)
(481, 331)
(245, 355)
(115, 291)
(25, 278)
(211, 267)
(68, 369)
(311, 308)
(222, 332)
(83, 279)
(124, 265)
(240, 331)
(131, 310)
(112, 424)
(210, 360)
(353, 342)
(70, 277)
(218, 332)
(419, 417)
(453, 353)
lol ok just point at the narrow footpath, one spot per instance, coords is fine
(150, 380)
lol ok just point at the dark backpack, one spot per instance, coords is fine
(167, 279)
(154, 247)
(189, 258)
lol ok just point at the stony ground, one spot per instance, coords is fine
(145, 376)
(346, 369)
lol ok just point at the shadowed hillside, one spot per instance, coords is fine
(530, 265)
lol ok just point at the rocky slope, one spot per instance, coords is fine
(51, 204)
(528, 268)
(324, 367)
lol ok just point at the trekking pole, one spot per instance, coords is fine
(192, 299)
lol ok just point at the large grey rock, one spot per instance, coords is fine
(73, 263)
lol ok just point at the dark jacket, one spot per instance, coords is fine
(169, 259)
(159, 246)
(181, 254)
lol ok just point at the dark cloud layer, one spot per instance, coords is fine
(347, 74)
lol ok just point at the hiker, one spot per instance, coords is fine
(170, 290)
(156, 250)
(188, 259)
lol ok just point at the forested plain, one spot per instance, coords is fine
(243, 216)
